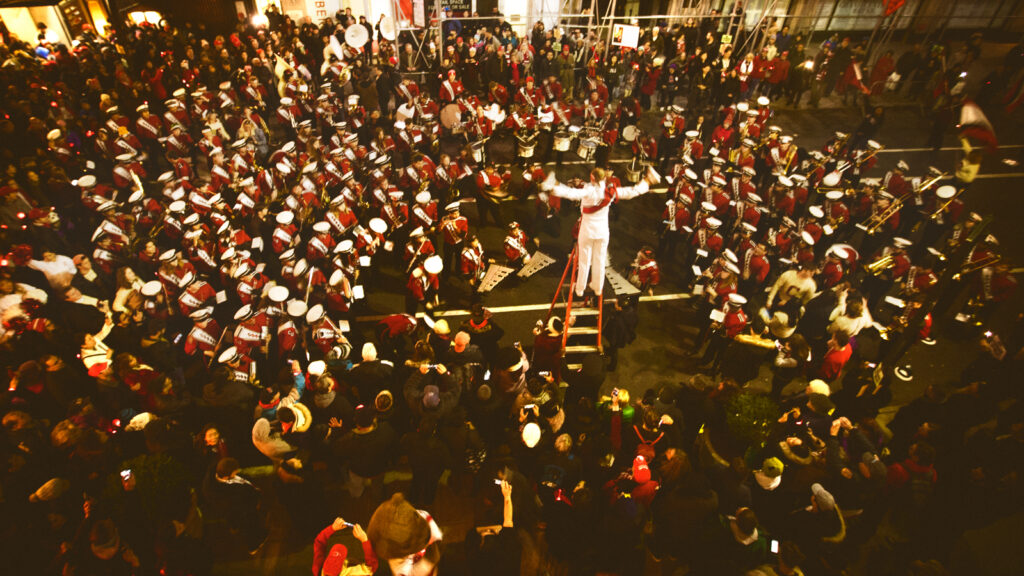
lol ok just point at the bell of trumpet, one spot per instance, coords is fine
(881, 265)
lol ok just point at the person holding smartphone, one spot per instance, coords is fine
(791, 361)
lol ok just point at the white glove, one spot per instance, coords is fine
(549, 182)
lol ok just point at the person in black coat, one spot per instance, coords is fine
(619, 329)
(238, 502)
(90, 281)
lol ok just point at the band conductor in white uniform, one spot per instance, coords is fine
(595, 200)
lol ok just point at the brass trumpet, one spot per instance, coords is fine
(881, 265)
(977, 265)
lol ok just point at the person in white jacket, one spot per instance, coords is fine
(595, 200)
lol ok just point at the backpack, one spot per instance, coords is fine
(645, 448)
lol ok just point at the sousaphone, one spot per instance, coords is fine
(356, 36)
(387, 28)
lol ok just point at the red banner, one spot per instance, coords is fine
(891, 6)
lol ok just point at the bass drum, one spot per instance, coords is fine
(561, 141)
(451, 118)
(586, 149)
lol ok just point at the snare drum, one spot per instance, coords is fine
(635, 172)
(478, 151)
(629, 133)
(586, 149)
(526, 146)
(562, 141)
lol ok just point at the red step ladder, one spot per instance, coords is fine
(579, 325)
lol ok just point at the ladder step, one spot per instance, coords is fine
(575, 330)
(584, 311)
(580, 349)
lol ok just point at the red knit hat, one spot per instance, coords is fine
(641, 472)
(336, 560)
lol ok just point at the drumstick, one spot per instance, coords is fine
(309, 286)
(217, 346)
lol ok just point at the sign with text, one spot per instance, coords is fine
(625, 35)
(457, 5)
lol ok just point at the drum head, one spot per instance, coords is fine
(831, 179)
(278, 294)
(945, 192)
(451, 116)
(405, 112)
(151, 288)
(356, 35)
(378, 225)
(296, 308)
(433, 265)
(629, 133)
(873, 145)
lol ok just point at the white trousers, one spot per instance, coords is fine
(592, 254)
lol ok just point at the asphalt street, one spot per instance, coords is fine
(667, 332)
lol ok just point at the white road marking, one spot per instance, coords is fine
(523, 307)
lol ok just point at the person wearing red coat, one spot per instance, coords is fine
(418, 248)
(649, 86)
(284, 234)
(497, 94)
(552, 89)
(421, 289)
(733, 323)
(516, 246)
(722, 136)
(646, 271)
(472, 262)
(204, 335)
(883, 68)
(529, 95)
(777, 76)
(195, 293)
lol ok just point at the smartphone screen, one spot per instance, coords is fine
(775, 546)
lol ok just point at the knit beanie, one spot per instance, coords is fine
(397, 529)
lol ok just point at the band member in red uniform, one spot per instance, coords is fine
(472, 263)
(516, 243)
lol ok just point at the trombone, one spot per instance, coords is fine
(931, 182)
(938, 211)
(874, 151)
(977, 265)
(876, 221)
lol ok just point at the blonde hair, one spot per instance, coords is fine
(563, 443)
(598, 174)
